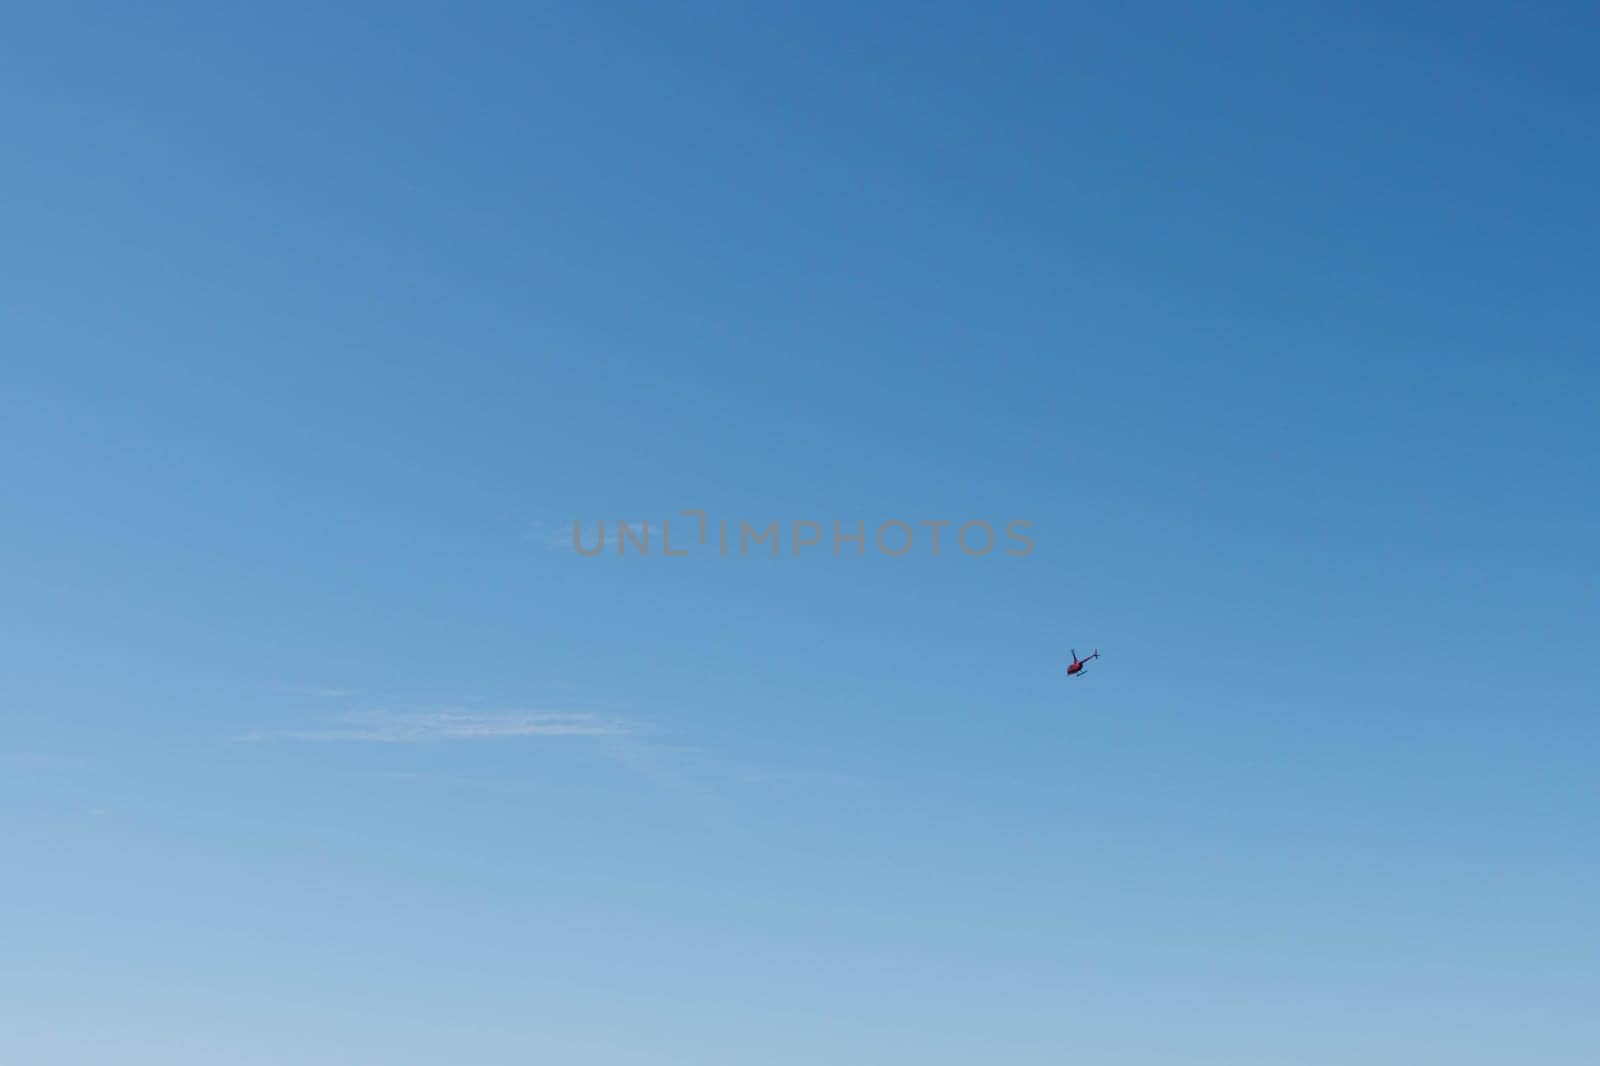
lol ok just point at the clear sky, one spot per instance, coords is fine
(321, 323)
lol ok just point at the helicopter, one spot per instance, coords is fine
(1075, 668)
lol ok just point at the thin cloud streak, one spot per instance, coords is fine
(25, 761)
(555, 536)
(418, 727)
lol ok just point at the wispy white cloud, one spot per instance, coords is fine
(554, 536)
(30, 761)
(417, 727)
(567, 535)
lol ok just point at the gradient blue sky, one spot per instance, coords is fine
(321, 322)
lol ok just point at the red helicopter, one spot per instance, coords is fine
(1076, 666)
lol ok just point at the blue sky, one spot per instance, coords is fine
(320, 325)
